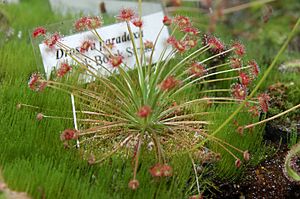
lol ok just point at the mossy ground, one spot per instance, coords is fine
(32, 156)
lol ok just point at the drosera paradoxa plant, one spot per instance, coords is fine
(153, 106)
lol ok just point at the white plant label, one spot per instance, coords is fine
(116, 34)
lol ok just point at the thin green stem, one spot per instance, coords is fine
(219, 80)
(218, 66)
(216, 90)
(97, 129)
(185, 116)
(196, 174)
(137, 155)
(152, 52)
(272, 118)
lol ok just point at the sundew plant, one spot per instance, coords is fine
(161, 107)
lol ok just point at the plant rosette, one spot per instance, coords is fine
(154, 104)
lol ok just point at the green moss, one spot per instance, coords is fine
(34, 159)
(249, 139)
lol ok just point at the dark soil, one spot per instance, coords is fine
(267, 181)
